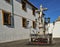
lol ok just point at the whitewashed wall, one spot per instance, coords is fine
(55, 30)
(8, 34)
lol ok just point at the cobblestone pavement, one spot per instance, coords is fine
(24, 43)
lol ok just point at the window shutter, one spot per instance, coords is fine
(34, 24)
(24, 22)
(9, 19)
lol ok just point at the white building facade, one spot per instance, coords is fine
(13, 20)
(55, 29)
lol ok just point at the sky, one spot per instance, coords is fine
(53, 7)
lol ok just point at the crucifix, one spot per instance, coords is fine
(41, 18)
(41, 12)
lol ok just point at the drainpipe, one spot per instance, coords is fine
(12, 15)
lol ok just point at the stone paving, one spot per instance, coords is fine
(24, 43)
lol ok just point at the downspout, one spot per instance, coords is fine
(12, 15)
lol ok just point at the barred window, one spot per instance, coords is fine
(24, 22)
(33, 11)
(6, 18)
(34, 24)
(7, 1)
(23, 5)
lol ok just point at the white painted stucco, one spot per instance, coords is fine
(55, 29)
(8, 34)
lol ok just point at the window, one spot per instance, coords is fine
(23, 5)
(18, 1)
(7, 1)
(33, 11)
(24, 22)
(34, 24)
(6, 18)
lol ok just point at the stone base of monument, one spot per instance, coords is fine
(41, 39)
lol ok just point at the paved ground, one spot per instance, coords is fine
(24, 43)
